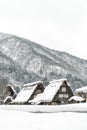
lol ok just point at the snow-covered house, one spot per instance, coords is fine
(82, 92)
(9, 93)
(57, 92)
(76, 99)
(29, 92)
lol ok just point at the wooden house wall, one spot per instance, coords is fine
(39, 89)
(66, 93)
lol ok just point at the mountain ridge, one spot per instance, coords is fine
(34, 62)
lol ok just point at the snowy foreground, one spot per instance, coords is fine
(80, 107)
(28, 118)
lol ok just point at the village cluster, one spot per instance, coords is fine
(57, 92)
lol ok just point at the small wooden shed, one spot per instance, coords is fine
(76, 99)
(29, 92)
(57, 92)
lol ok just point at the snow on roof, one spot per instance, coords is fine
(8, 97)
(59, 80)
(76, 98)
(49, 93)
(33, 83)
(25, 94)
(83, 89)
(36, 100)
(9, 85)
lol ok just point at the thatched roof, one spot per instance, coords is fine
(58, 80)
(25, 94)
(50, 91)
(33, 83)
(10, 89)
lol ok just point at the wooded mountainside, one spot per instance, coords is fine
(23, 61)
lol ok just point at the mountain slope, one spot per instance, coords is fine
(28, 61)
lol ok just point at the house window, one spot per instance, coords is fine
(60, 95)
(63, 96)
(66, 95)
(63, 89)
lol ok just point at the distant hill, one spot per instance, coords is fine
(23, 61)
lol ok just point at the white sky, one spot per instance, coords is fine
(57, 24)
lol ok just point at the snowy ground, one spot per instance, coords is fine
(79, 107)
(21, 120)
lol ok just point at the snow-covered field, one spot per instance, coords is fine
(13, 119)
(80, 107)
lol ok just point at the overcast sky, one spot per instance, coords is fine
(57, 24)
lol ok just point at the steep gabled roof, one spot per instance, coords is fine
(59, 80)
(50, 91)
(11, 87)
(33, 83)
(25, 94)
